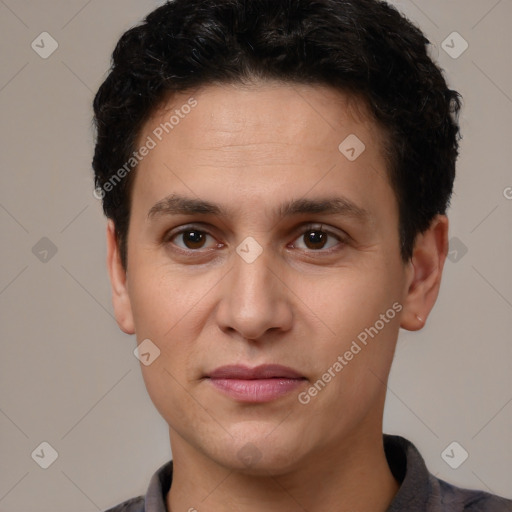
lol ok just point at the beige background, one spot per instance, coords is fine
(68, 374)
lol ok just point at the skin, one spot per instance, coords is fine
(250, 149)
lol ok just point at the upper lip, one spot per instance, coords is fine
(264, 371)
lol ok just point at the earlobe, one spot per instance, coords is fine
(425, 272)
(118, 282)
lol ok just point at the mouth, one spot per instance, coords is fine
(260, 384)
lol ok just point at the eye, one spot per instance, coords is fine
(316, 238)
(191, 238)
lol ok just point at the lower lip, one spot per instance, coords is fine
(256, 390)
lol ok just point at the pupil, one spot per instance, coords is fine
(316, 238)
(194, 239)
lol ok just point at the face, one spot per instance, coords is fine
(256, 240)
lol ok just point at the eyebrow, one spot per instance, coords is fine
(181, 205)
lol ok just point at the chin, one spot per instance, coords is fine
(253, 453)
(254, 462)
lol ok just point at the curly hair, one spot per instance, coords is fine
(363, 47)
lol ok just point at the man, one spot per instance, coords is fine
(276, 176)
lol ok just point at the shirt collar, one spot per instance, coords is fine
(159, 486)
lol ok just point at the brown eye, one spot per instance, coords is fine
(190, 239)
(315, 238)
(193, 239)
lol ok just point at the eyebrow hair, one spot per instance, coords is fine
(181, 205)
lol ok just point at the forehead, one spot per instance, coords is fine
(277, 110)
(290, 135)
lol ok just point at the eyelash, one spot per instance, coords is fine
(343, 239)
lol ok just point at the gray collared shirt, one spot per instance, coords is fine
(419, 490)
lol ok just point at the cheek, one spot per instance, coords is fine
(171, 309)
(165, 311)
(168, 390)
(352, 372)
(346, 302)
(359, 316)
(160, 299)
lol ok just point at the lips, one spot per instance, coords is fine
(262, 383)
(264, 371)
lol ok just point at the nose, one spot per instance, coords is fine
(255, 299)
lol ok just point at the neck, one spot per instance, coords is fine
(353, 475)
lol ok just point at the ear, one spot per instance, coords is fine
(118, 283)
(425, 271)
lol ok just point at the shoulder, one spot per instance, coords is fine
(133, 505)
(449, 498)
(421, 491)
(154, 499)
